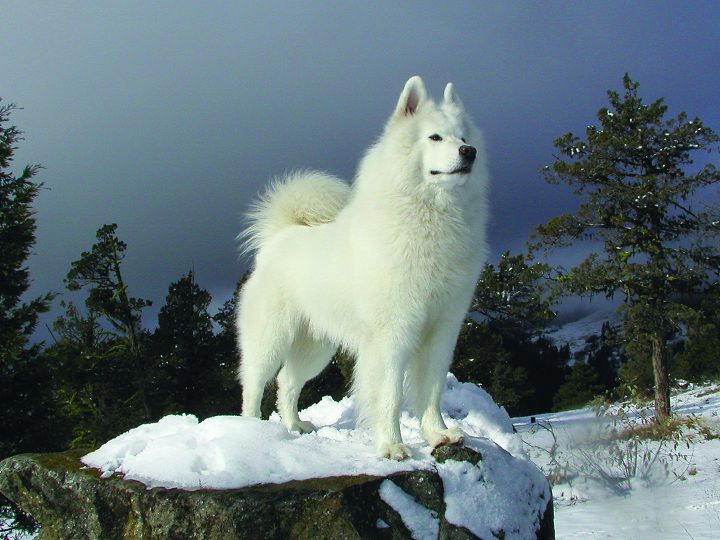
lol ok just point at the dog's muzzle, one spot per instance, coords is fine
(467, 154)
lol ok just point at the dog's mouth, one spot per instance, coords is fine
(465, 169)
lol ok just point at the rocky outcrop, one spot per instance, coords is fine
(71, 501)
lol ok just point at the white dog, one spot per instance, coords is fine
(385, 268)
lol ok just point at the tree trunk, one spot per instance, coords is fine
(660, 372)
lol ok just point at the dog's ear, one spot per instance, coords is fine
(411, 98)
(450, 96)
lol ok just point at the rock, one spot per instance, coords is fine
(73, 502)
(456, 452)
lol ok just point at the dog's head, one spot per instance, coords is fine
(442, 134)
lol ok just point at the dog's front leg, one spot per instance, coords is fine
(379, 389)
(427, 378)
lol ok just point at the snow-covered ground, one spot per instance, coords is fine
(660, 506)
(676, 497)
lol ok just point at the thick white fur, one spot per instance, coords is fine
(385, 269)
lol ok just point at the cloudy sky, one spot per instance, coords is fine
(167, 117)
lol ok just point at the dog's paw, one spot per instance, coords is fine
(302, 427)
(445, 437)
(396, 451)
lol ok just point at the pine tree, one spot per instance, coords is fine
(514, 295)
(699, 359)
(581, 385)
(22, 375)
(100, 270)
(184, 347)
(226, 395)
(499, 346)
(640, 204)
(17, 236)
(605, 357)
(25, 404)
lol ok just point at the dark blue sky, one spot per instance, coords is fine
(167, 117)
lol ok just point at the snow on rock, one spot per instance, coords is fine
(420, 521)
(471, 408)
(230, 452)
(227, 452)
(507, 490)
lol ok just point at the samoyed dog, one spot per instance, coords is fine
(385, 268)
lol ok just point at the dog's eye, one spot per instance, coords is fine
(463, 139)
(435, 137)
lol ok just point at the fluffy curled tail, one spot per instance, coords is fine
(300, 198)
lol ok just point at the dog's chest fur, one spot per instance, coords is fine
(429, 250)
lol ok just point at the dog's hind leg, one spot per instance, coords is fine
(257, 367)
(306, 359)
(266, 336)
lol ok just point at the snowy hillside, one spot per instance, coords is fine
(576, 332)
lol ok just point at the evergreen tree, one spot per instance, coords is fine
(499, 346)
(639, 203)
(227, 395)
(22, 375)
(546, 365)
(513, 295)
(184, 347)
(26, 406)
(699, 359)
(17, 236)
(581, 385)
(100, 270)
(605, 357)
(594, 371)
(476, 351)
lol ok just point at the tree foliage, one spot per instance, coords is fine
(699, 357)
(184, 347)
(17, 236)
(100, 270)
(94, 379)
(594, 371)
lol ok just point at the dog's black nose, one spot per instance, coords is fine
(468, 152)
